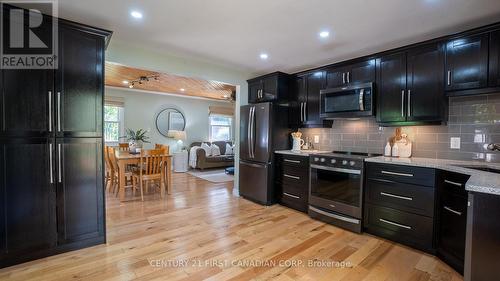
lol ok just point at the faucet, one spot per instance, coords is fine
(493, 146)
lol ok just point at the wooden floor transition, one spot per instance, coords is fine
(221, 236)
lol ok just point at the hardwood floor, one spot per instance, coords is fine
(203, 222)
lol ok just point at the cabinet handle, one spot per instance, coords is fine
(395, 224)
(290, 195)
(449, 78)
(453, 183)
(409, 102)
(301, 110)
(403, 103)
(58, 111)
(292, 161)
(59, 162)
(348, 77)
(397, 174)
(292, 177)
(50, 111)
(343, 77)
(50, 164)
(396, 196)
(305, 111)
(452, 211)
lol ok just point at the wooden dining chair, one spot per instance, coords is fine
(116, 176)
(166, 150)
(109, 174)
(165, 147)
(123, 146)
(151, 169)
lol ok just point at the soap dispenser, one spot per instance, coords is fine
(387, 150)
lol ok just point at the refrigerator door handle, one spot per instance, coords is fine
(252, 129)
(249, 130)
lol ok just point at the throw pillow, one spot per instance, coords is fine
(206, 147)
(215, 150)
(229, 149)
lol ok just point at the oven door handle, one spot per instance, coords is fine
(340, 170)
(342, 218)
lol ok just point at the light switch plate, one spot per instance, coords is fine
(316, 139)
(455, 143)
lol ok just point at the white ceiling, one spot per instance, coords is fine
(235, 32)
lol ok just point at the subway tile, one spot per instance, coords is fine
(428, 138)
(468, 100)
(424, 154)
(457, 155)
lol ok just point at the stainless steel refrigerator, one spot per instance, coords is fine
(263, 129)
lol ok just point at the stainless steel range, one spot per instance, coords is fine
(336, 188)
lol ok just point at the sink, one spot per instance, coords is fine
(482, 168)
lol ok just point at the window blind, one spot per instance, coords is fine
(221, 110)
(114, 101)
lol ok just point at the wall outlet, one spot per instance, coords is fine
(455, 143)
(316, 139)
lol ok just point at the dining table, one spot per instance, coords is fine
(124, 158)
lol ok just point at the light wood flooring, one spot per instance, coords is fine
(203, 222)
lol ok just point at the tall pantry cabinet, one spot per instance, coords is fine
(51, 151)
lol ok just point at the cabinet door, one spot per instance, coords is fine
(391, 85)
(269, 89)
(467, 63)
(494, 78)
(363, 72)
(314, 84)
(425, 94)
(80, 191)
(26, 94)
(253, 91)
(27, 212)
(298, 98)
(80, 88)
(335, 77)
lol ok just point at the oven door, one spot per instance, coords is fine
(336, 189)
(346, 102)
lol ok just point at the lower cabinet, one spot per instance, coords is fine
(292, 181)
(399, 204)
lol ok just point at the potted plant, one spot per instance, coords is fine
(136, 139)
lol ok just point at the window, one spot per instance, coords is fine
(220, 127)
(113, 123)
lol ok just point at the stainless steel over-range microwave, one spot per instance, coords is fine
(347, 102)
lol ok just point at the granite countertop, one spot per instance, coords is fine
(304, 153)
(480, 181)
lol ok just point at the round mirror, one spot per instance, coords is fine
(170, 119)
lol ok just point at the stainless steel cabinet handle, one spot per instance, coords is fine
(50, 111)
(305, 111)
(292, 161)
(292, 177)
(403, 103)
(397, 174)
(452, 211)
(409, 102)
(348, 77)
(50, 164)
(59, 162)
(396, 196)
(343, 78)
(301, 110)
(453, 183)
(290, 195)
(448, 80)
(395, 224)
(58, 111)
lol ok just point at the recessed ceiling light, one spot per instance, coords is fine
(264, 56)
(182, 89)
(125, 82)
(324, 34)
(136, 14)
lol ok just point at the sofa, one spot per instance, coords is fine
(205, 162)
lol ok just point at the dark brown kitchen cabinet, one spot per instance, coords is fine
(391, 86)
(80, 192)
(269, 88)
(410, 86)
(27, 193)
(467, 63)
(292, 181)
(79, 84)
(494, 70)
(361, 72)
(27, 110)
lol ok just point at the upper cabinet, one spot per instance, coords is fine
(361, 72)
(494, 77)
(410, 86)
(467, 63)
(268, 88)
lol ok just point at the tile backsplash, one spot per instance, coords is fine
(475, 120)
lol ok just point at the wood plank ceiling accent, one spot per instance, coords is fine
(167, 83)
